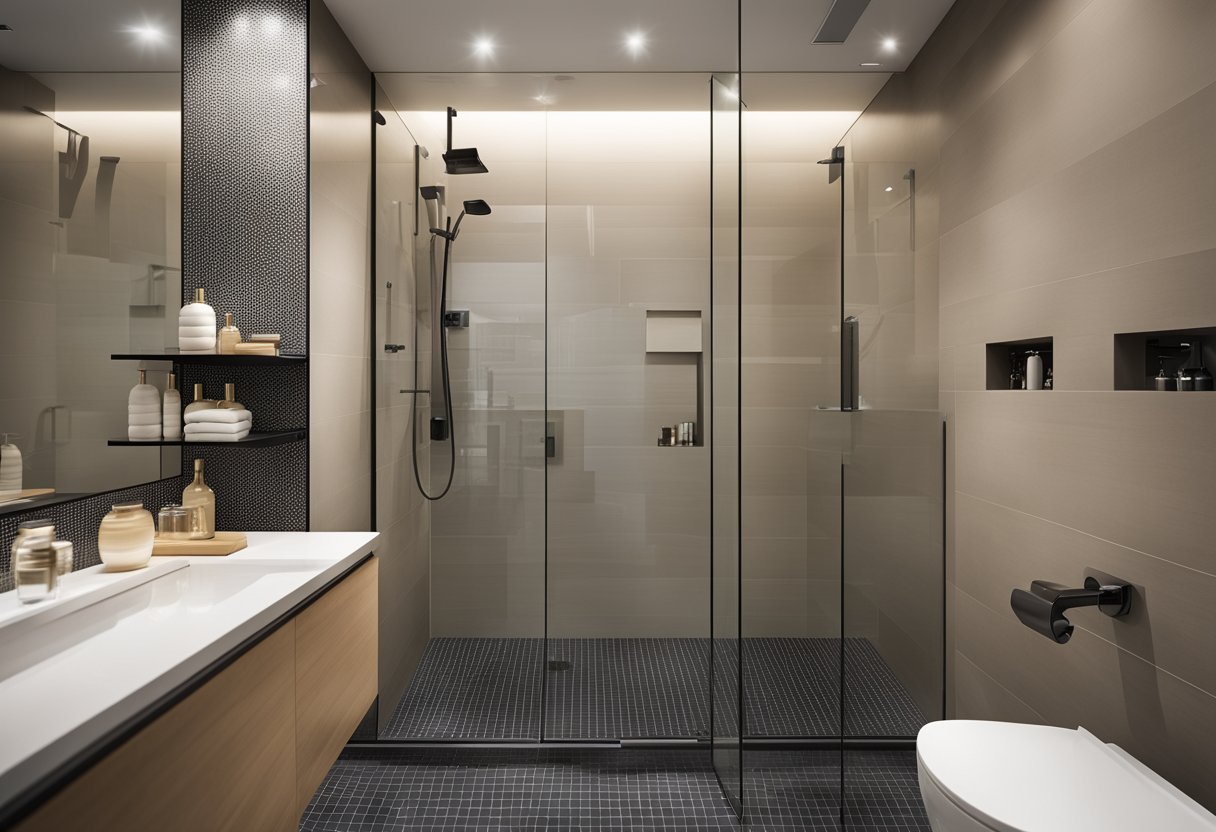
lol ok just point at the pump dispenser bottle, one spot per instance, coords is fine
(229, 337)
(229, 402)
(144, 413)
(199, 502)
(196, 325)
(171, 412)
(199, 402)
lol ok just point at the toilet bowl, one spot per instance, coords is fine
(1008, 777)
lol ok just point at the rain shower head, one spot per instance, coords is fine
(476, 207)
(461, 160)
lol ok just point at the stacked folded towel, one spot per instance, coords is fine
(218, 424)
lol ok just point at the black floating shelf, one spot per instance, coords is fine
(213, 358)
(253, 440)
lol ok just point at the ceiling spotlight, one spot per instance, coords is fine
(889, 44)
(483, 47)
(542, 99)
(635, 42)
(147, 33)
(870, 63)
(888, 189)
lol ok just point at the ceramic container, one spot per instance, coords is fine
(196, 325)
(125, 538)
(171, 410)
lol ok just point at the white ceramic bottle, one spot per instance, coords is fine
(196, 325)
(171, 413)
(144, 413)
(1034, 371)
(10, 467)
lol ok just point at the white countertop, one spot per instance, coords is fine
(111, 646)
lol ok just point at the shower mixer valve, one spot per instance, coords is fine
(456, 318)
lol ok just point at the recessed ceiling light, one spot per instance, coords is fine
(147, 33)
(890, 44)
(870, 63)
(635, 42)
(483, 46)
(542, 99)
(888, 189)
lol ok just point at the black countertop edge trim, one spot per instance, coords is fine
(26, 802)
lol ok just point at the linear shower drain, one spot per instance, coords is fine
(558, 664)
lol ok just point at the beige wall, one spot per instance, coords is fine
(339, 436)
(1068, 189)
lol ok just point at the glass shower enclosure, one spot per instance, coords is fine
(659, 252)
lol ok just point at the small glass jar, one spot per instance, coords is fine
(26, 528)
(173, 523)
(35, 570)
(126, 536)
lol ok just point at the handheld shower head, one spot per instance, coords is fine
(433, 195)
(476, 207)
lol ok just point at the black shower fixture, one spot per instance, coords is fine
(378, 117)
(476, 207)
(464, 159)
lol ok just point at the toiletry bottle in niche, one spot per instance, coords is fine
(199, 403)
(1034, 371)
(229, 402)
(171, 412)
(196, 325)
(229, 336)
(199, 501)
(1016, 380)
(1049, 382)
(144, 413)
(11, 470)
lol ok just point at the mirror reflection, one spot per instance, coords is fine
(90, 241)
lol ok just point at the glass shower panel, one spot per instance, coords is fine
(725, 718)
(628, 520)
(893, 481)
(481, 675)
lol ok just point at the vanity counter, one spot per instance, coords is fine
(96, 669)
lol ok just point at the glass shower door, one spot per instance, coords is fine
(725, 394)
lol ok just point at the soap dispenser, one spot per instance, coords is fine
(229, 402)
(199, 502)
(230, 336)
(10, 465)
(196, 325)
(144, 412)
(199, 402)
(171, 413)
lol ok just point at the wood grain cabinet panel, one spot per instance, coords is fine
(224, 758)
(336, 654)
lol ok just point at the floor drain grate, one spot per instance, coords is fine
(558, 664)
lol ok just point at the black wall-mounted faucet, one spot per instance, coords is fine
(1042, 609)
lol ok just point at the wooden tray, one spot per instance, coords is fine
(27, 494)
(224, 543)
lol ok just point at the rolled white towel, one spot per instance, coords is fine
(143, 433)
(216, 437)
(219, 415)
(218, 427)
(140, 420)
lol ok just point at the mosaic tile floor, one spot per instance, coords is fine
(463, 790)
(487, 688)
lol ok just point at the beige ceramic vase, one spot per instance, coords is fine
(125, 538)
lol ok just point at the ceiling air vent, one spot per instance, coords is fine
(841, 19)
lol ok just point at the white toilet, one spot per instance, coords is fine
(1003, 776)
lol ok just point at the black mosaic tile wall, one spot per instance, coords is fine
(245, 234)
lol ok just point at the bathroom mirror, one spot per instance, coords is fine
(90, 239)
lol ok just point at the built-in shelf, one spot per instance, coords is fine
(253, 440)
(1006, 362)
(212, 358)
(1140, 356)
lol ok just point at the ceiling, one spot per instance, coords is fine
(91, 36)
(590, 35)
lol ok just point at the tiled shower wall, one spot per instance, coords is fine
(1068, 195)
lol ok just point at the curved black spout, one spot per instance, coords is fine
(1042, 609)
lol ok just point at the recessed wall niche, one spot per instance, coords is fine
(675, 337)
(1007, 360)
(1154, 360)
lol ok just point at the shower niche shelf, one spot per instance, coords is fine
(675, 342)
(1140, 356)
(1006, 362)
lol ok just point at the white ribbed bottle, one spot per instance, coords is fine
(196, 325)
(10, 466)
(171, 421)
(144, 412)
